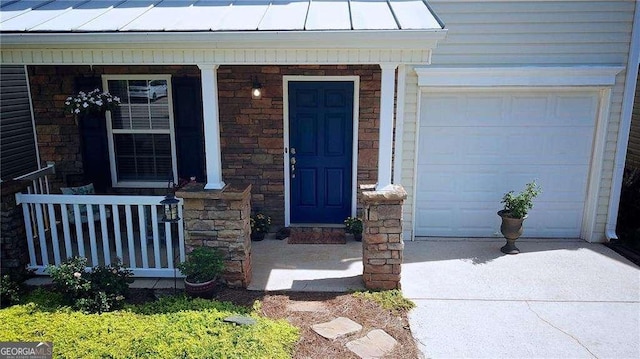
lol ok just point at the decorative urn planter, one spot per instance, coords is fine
(511, 229)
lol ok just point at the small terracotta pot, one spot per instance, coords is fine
(201, 290)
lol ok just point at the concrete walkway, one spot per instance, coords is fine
(557, 299)
(279, 266)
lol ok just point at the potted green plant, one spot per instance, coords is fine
(515, 211)
(202, 268)
(260, 224)
(354, 226)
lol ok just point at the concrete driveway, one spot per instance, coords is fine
(557, 299)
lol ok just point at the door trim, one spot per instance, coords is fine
(285, 110)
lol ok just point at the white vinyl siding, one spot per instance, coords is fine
(19, 153)
(535, 33)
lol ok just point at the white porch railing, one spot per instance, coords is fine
(39, 185)
(101, 229)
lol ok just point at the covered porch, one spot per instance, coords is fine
(206, 122)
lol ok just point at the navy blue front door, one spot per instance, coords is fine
(320, 151)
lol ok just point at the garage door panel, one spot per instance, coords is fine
(473, 147)
(575, 110)
(476, 183)
(438, 218)
(488, 145)
(499, 109)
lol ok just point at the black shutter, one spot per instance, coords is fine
(94, 143)
(188, 123)
(17, 144)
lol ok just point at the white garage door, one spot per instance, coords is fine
(476, 145)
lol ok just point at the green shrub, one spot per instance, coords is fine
(170, 328)
(179, 303)
(518, 205)
(46, 300)
(100, 290)
(202, 265)
(353, 225)
(388, 299)
(9, 291)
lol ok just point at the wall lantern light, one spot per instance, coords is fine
(170, 205)
(256, 89)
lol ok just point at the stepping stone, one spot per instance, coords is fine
(310, 306)
(240, 320)
(337, 328)
(376, 344)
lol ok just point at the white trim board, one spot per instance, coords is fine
(526, 76)
(285, 111)
(120, 55)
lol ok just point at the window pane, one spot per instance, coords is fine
(140, 117)
(159, 116)
(143, 157)
(118, 88)
(144, 106)
(121, 117)
(139, 91)
(158, 91)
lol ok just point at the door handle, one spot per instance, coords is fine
(293, 162)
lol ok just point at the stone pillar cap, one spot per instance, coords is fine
(394, 193)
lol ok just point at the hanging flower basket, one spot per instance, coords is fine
(94, 101)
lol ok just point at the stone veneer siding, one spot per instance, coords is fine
(220, 219)
(57, 133)
(13, 245)
(382, 243)
(251, 130)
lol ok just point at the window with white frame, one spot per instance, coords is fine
(141, 131)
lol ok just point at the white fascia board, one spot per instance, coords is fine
(388, 39)
(526, 76)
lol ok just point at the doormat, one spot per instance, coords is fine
(317, 236)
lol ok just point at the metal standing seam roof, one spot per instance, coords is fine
(90, 16)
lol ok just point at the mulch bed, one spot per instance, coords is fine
(276, 305)
(311, 345)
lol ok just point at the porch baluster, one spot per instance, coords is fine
(54, 235)
(143, 237)
(132, 248)
(105, 234)
(116, 231)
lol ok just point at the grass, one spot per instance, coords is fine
(172, 327)
(392, 300)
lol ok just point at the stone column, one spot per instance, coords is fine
(220, 219)
(13, 239)
(382, 243)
